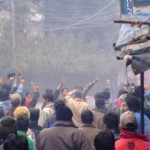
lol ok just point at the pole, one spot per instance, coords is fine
(142, 102)
(13, 31)
(127, 8)
(136, 22)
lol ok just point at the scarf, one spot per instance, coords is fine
(132, 134)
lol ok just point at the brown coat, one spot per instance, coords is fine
(98, 118)
(63, 136)
(90, 132)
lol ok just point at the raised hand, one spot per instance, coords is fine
(97, 79)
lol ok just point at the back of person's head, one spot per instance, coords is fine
(15, 142)
(22, 124)
(15, 99)
(34, 114)
(133, 103)
(111, 120)
(106, 94)
(137, 91)
(63, 113)
(128, 121)
(27, 94)
(99, 103)
(104, 140)
(99, 100)
(7, 126)
(4, 92)
(87, 117)
(122, 91)
(22, 111)
(98, 95)
(78, 94)
(64, 88)
(48, 95)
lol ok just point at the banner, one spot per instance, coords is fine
(126, 6)
(138, 3)
(131, 6)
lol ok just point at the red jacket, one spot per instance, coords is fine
(131, 144)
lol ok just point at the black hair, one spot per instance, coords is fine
(99, 95)
(63, 112)
(22, 124)
(111, 120)
(27, 93)
(87, 117)
(34, 114)
(122, 91)
(15, 142)
(104, 140)
(133, 103)
(137, 91)
(64, 88)
(4, 92)
(106, 93)
(99, 103)
(49, 95)
(99, 100)
(11, 75)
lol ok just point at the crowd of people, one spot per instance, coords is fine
(65, 121)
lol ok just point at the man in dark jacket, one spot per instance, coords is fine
(63, 136)
(34, 112)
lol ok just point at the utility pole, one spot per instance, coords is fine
(13, 31)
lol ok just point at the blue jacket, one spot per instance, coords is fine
(5, 105)
(146, 124)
